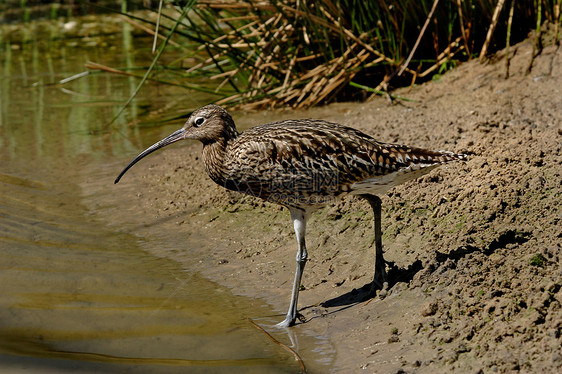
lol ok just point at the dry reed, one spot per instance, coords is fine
(301, 53)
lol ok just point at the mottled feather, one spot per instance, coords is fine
(309, 162)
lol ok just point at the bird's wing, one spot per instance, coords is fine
(327, 156)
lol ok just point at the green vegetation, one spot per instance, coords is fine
(538, 260)
(303, 53)
(300, 53)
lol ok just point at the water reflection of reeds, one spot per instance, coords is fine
(48, 118)
(43, 109)
(16, 11)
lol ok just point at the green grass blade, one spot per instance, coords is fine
(161, 49)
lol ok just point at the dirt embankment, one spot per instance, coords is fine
(475, 247)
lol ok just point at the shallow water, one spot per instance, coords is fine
(76, 294)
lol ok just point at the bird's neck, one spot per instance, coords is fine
(214, 155)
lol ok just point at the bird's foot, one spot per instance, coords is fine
(287, 322)
(380, 283)
(290, 320)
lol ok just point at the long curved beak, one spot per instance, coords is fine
(178, 135)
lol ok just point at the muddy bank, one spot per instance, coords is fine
(476, 278)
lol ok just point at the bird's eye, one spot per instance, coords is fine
(198, 121)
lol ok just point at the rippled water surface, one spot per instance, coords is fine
(77, 295)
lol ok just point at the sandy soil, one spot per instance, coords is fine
(475, 247)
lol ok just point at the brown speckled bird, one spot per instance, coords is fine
(303, 164)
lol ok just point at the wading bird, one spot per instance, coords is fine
(303, 164)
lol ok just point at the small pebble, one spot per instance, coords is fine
(429, 309)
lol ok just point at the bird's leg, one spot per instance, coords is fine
(380, 278)
(299, 218)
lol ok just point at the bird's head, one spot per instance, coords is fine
(208, 124)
